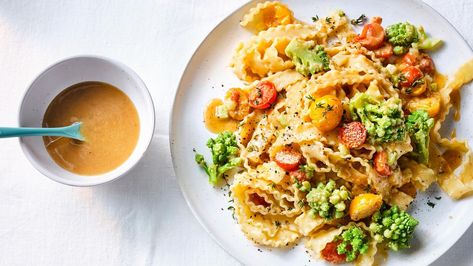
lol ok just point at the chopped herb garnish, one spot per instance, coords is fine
(431, 204)
(438, 198)
(328, 109)
(360, 20)
(277, 223)
(314, 19)
(231, 208)
(417, 82)
(300, 203)
(310, 97)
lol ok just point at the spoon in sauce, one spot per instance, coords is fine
(72, 131)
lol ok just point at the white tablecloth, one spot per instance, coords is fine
(141, 219)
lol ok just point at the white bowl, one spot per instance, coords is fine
(65, 74)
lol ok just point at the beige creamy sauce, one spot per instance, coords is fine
(110, 125)
(215, 124)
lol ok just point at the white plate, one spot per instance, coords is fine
(208, 76)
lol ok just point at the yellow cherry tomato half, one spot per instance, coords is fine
(326, 112)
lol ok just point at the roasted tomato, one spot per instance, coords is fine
(326, 112)
(409, 59)
(236, 101)
(352, 135)
(288, 159)
(426, 64)
(430, 104)
(372, 35)
(330, 254)
(263, 95)
(423, 61)
(385, 51)
(299, 175)
(381, 163)
(409, 75)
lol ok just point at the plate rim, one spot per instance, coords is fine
(431, 260)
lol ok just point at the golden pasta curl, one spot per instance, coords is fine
(266, 15)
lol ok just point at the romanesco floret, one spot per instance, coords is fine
(328, 201)
(383, 120)
(394, 226)
(224, 151)
(308, 57)
(425, 42)
(401, 34)
(418, 125)
(354, 242)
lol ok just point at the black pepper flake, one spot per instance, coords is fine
(438, 198)
(260, 250)
(431, 204)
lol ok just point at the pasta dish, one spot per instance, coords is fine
(332, 133)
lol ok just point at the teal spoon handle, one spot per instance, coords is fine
(72, 131)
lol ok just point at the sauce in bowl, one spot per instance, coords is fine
(110, 125)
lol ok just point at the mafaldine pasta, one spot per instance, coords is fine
(336, 132)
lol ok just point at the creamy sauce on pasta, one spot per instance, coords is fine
(215, 124)
(453, 158)
(440, 79)
(455, 99)
(110, 125)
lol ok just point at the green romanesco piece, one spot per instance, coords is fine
(328, 201)
(402, 34)
(383, 120)
(354, 242)
(308, 57)
(224, 151)
(394, 226)
(418, 126)
(425, 42)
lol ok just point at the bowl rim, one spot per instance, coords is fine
(171, 123)
(94, 179)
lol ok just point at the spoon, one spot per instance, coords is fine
(72, 131)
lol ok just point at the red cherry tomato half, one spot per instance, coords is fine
(410, 74)
(353, 135)
(381, 164)
(426, 64)
(288, 159)
(372, 36)
(299, 175)
(423, 61)
(263, 95)
(409, 59)
(385, 51)
(330, 254)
